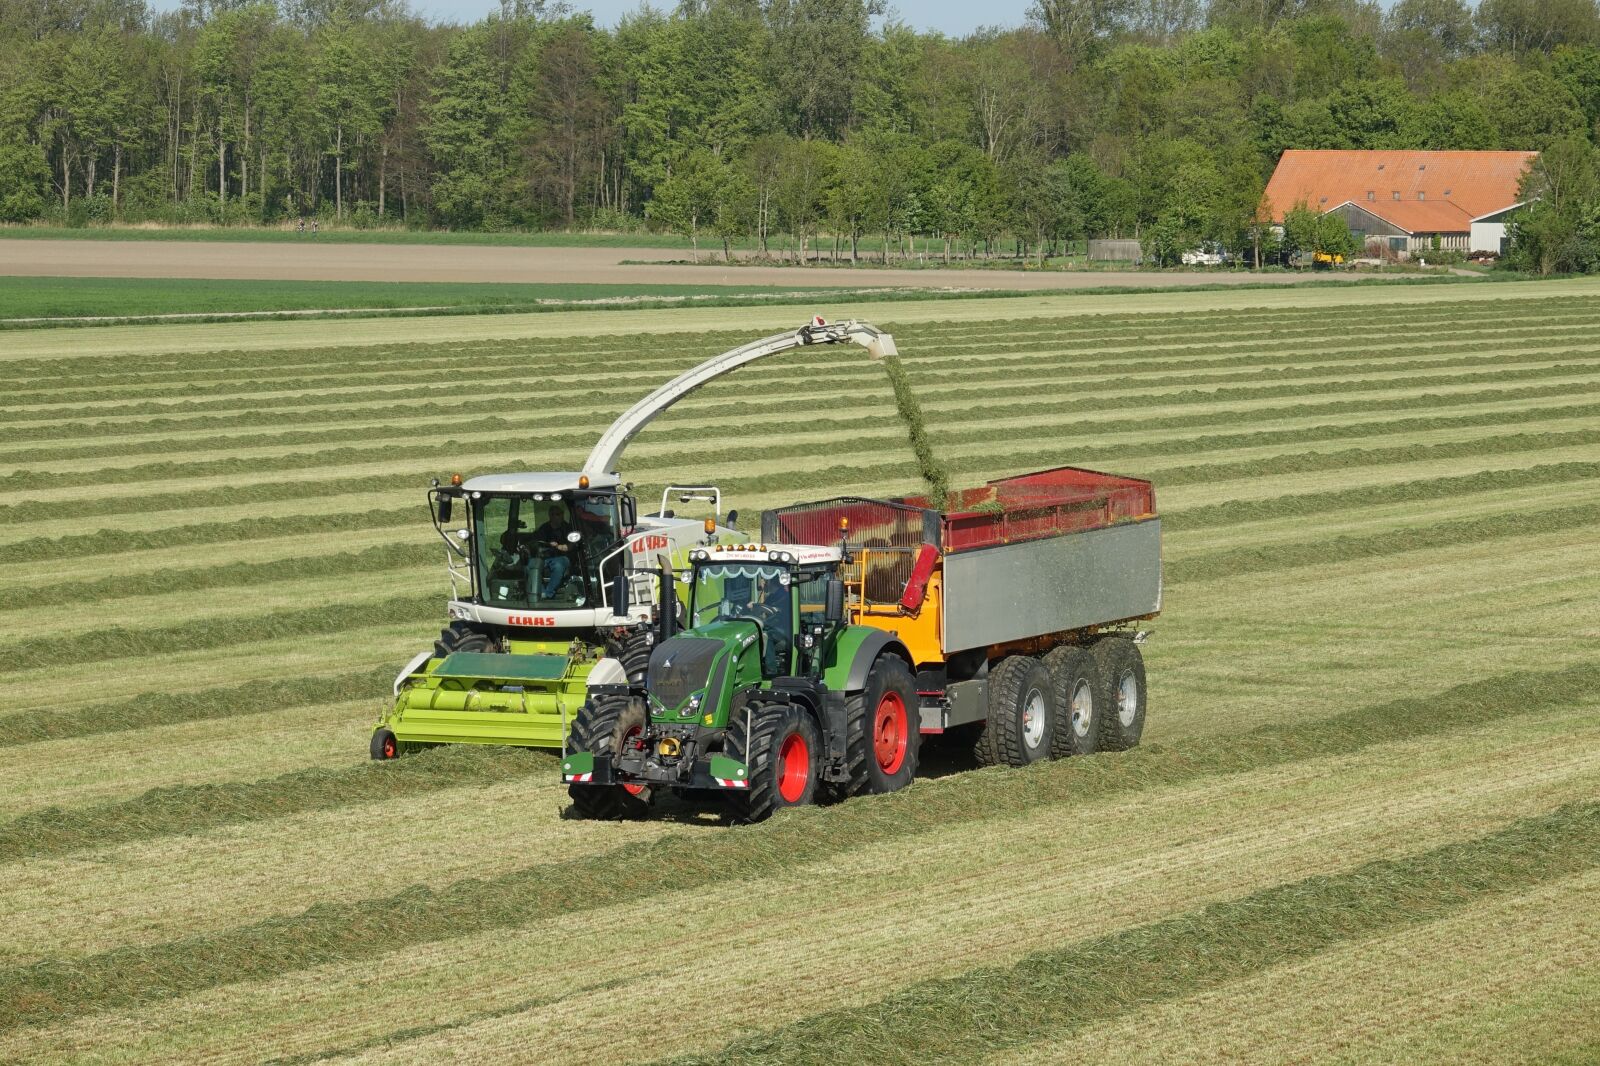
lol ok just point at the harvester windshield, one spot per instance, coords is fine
(543, 550)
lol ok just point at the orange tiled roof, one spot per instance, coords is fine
(1440, 192)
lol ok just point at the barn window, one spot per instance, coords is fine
(1422, 166)
(1371, 196)
(1397, 194)
(1421, 195)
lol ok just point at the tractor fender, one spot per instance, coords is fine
(607, 671)
(876, 643)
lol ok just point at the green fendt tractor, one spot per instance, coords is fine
(554, 581)
(769, 697)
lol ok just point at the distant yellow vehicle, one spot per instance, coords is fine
(1323, 259)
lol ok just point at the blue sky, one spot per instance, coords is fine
(954, 17)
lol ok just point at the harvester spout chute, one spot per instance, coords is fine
(608, 450)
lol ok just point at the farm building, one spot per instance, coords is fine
(1409, 201)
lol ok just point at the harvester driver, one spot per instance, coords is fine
(557, 561)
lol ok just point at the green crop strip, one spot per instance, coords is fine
(1236, 512)
(379, 559)
(1130, 353)
(116, 541)
(27, 479)
(1051, 993)
(118, 642)
(543, 429)
(1341, 549)
(675, 862)
(190, 808)
(171, 708)
(285, 399)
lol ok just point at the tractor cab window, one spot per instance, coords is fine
(761, 594)
(543, 551)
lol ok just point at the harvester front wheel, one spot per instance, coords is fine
(384, 745)
(782, 753)
(1080, 698)
(1022, 722)
(883, 741)
(460, 636)
(602, 725)
(1122, 675)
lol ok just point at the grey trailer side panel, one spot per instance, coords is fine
(1015, 591)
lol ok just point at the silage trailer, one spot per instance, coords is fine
(816, 659)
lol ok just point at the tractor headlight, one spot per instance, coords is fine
(773, 557)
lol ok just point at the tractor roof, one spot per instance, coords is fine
(546, 481)
(800, 554)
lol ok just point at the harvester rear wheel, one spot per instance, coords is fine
(1022, 713)
(782, 753)
(460, 636)
(1122, 677)
(601, 726)
(1080, 701)
(633, 652)
(883, 740)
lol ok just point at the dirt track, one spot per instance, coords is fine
(443, 262)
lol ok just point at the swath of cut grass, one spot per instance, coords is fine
(1345, 548)
(190, 808)
(673, 862)
(171, 708)
(1052, 992)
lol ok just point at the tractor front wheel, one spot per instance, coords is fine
(782, 753)
(603, 725)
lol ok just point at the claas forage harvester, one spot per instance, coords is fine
(815, 661)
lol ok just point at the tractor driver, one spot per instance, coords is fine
(557, 562)
(773, 611)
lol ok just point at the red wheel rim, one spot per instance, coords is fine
(890, 733)
(794, 767)
(389, 747)
(631, 789)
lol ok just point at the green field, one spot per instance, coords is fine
(331, 235)
(1364, 825)
(26, 298)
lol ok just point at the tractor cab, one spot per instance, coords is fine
(777, 592)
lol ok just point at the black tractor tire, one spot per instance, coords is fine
(1080, 700)
(602, 724)
(384, 745)
(883, 734)
(1022, 714)
(783, 753)
(633, 652)
(461, 636)
(1122, 678)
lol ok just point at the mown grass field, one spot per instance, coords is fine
(1364, 826)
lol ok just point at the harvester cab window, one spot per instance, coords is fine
(535, 551)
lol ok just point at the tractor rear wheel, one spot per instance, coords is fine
(602, 726)
(883, 740)
(461, 636)
(1022, 714)
(1080, 699)
(1122, 677)
(783, 755)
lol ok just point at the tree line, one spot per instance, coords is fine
(741, 120)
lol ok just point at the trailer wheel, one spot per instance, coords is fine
(1122, 674)
(782, 752)
(1022, 720)
(601, 726)
(384, 745)
(1080, 697)
(460, 636)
